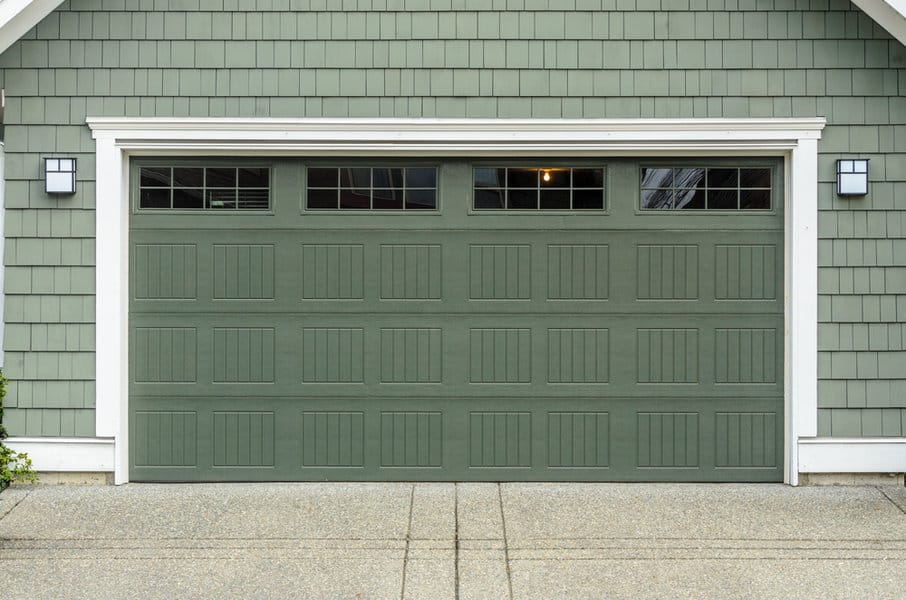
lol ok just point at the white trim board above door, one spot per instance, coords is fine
(120, 138)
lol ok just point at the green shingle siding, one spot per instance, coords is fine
(455, 58)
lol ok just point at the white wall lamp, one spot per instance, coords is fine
(852, 177)
(60, 175)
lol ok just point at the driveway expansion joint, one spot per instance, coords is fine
(456, 541)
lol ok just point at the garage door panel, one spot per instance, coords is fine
(432, 356)
(534, 274)
(545, 438)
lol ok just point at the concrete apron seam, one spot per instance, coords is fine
(506, 545)
(889, 499)
(408, 540)
(456, 540)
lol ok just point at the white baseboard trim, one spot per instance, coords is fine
(66, 454)
(852, 455)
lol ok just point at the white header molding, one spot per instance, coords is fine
(119, 138)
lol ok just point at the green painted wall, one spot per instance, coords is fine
(455, 58)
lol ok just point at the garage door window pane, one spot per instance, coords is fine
(588, 199)
(489, 199)
(522, 178)
(220, 178)
(657, 178)
(657, 199)
(188, 177)
(355, 199)
(421, 178)
(706, 188)
(154, 198)
(522, 199)
(755, 199)
(254, 178)
(390, 199)
(538, 188)
(723, 178)
(555, 199)
(388, 178)
(184, 198)
(156, 177)
(689, 178)
(690, 198)
(323, 199)
(372, 188)
(588, 178)
(323, 178)
(421, 199)
(494, 178)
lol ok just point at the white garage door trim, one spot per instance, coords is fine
(797, 139)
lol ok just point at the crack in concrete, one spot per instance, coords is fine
(889, 499)
(408, 539)
(506, 545)
(7, 513)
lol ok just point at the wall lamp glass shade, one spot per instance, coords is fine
(852, 176)
(60, 175)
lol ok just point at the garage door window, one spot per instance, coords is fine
(706, 188)
(372, 188)
(538, 188)
(204, 188)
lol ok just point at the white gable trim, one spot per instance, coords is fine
(889, 14)
(18, 16)
(119, 138)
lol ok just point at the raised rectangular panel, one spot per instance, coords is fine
(668, 355)
(745, 355)
(745, 272)
(333, 439)
(410, 272)
(578, 272)
(500, 439)
(668, 440)
(243, 355)
(500, 272)
(165, 271)
(578, 439)
(164, 439)
(411, 355)
(164, 354)
(746, 439)
(332, 271)
(578, 356)
(667, 272)
(500, 356)
(332, 355)
(243, 439)
(243, 272)
(411, 439)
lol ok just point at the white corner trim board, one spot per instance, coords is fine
(66, 454)
(118, 138)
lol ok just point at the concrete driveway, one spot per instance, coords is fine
(452, 541)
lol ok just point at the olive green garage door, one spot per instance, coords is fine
(612, 320)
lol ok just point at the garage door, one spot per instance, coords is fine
(617, 320)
